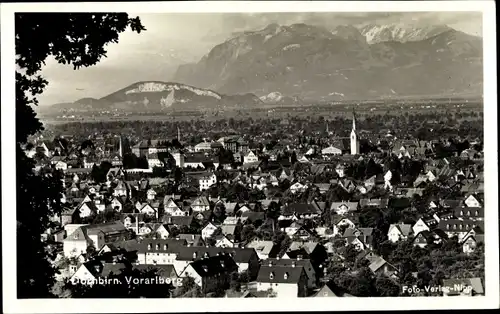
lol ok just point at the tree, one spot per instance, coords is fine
(386, 287)
(247, 233)
(219, 212)
(72, 38)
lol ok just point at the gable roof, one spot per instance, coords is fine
(278, 274)
(240, 255)
(214, 265)
(300, 208)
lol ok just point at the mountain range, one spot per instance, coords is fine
(348, 62)
(158, 96)
(301, 63)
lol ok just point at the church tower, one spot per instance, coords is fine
(354, 137)
(121, 147)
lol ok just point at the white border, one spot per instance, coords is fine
(12, 305)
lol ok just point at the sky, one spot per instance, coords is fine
(175, 39)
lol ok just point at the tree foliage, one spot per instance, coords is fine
(78, 39)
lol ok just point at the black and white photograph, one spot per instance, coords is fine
(226, 149)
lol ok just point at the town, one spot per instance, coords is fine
(358, 205)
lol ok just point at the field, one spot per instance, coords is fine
(277, 111)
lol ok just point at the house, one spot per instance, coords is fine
(223, 240)
(285, 282)
(398, 232)
(250, 158)
(159, 251)
(154, 161)
(127, 246)
(117, 203)
(82, 236)
(207, 181)
(342, 208)
(368, 255)
(322, 187)
(459, 228)
(300, 210)
(472, 201)
(469, 213)
(330, 290)
(315, 251)
(151, 194)
(331, 151)
(424, 237)
(148, 210)
(162, 231)
(147, 229)
(87, 273)
(61, 165)
(302, 233)
(463, 287)
(373, 203)
(191, 239)
(263, 248)
(424, 224)
(360, 237)
(246, 259)
(340, 169)
(120, 189)
(171, 207)
(208, 230)
(304, 263)
(211, 273)
(200, 204)
(292, 228)
(297, 187)
(342, 223)
(470, 242)
(380, 266)
(87, 209)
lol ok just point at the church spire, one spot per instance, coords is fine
(354, 136)
(121, 147)
(353, 120)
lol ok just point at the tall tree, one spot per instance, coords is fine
(71, 38)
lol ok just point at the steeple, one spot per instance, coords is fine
(353, 120)
(121, 147)
(354, 136)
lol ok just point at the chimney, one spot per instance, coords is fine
(169, 220)
(293, 264)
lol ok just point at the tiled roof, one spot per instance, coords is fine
(279, 274)
(240, 255)
(214, 265)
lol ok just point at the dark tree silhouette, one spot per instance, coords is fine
(71, 38)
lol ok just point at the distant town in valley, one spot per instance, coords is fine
(290, 161)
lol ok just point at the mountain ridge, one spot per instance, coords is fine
(315, 63)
